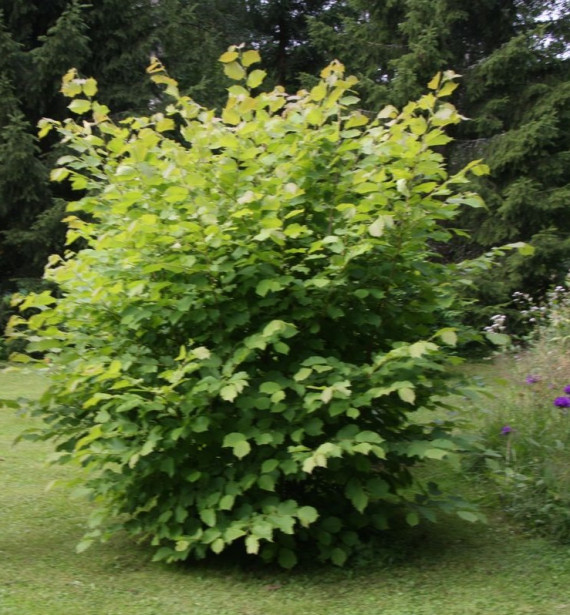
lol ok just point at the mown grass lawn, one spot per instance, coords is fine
(451, 569)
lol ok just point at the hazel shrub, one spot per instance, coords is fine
(254, 316)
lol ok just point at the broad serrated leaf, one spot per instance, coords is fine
(234, 71)
(469, 516)
(406, 394)
(412, 519)
(255, 78)
(249, 57)
(500, 339)
(233, 438)
(448, 336)
(447, 88)
(270, 387)
(269, 465)
(208, 516)
(307, 515)
(267, 482)
(226, 502)
(435, 81)
(58, 174)
(252, 545)
(318, 92)
(241, 449)
(90, 87)
(338, 556)
(233, 533)
(229, 392)
(79, 106)
(229, 56)
(287, 558)
(218, 545)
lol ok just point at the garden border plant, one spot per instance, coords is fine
(527, 423)
(238, 350)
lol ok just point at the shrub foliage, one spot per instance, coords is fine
(257, 312)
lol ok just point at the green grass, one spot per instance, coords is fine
(451, 569)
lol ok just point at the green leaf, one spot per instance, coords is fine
(448, 336)
(229, 392)
(287, 558)
(338, 556)
(252, 544)
(267, 482)
(233, 438)
(241, 449)
(208, 516)
(469, 516)
(307, 515)
(270, 387)
(200, 424)
(376, 229)
(226, 502)
(406, 394)
(269, 465)
(266, 286)
(500, 339)
(412, 519)
(233, 533)
(218, 545)
(356, 494)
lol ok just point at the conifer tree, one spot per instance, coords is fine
(37, 40)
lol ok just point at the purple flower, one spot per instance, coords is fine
(532, 379)
(506, 430)
(567, 388)
(562, 402)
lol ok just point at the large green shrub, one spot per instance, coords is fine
(238, 351)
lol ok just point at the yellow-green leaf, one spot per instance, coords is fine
(234, 70)
(319, 92)
(447, 88)
(448, 336)
(241, 449)
(45, 127)
(406, 394)
(165, 124)
(90, 87)
(255, 78)
(231, 116)
(229, 56)
(249, 57)
(434, 83)
(79, 106)
(358, 119)
(59, 174)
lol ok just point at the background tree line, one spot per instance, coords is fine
(513, 55)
